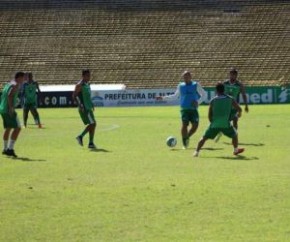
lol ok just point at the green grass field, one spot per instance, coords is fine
(137, 189)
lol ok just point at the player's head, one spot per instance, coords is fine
(28, 76)
(220, 88)
(233, 74)
(19, 77)
(186, 76)
(86, 74)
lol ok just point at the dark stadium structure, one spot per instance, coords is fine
(146, 43)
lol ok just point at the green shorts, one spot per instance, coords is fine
(10, 122)
(87, 116)
(28, 106)
(189, 115)
(211, 133)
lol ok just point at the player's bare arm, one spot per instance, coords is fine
(76, 98)
(10, 100)
(237, 107)
(38, 91)
(195, 104)
(210, 112)
(22, 93)
(76, 92)
(243, 92)
(37, 87)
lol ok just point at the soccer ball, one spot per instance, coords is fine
(171, 141)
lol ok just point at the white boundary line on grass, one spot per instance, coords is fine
(110, 128)
(105, 128)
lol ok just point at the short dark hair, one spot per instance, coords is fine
(186, 73)
(233, 70)
(85, 72)
(19, 74)
(220, 87)
(29, 74)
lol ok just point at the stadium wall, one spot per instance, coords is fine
(146, 97)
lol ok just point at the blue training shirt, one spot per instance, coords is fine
(188, 95)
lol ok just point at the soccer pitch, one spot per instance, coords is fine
(137, 189)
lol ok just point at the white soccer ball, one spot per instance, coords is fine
(171, 141)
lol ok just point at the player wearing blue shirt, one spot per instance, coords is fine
(191, 94)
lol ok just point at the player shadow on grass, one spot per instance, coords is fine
(212, 149)
(239, 157)
(100, 150)
(246, 144)
(35, 126)
(26, 159)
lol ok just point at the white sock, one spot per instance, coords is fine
(5, 144)
(11, 144)
(236, 149)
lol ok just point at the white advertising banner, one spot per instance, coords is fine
(132, 97)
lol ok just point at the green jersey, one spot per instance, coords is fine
(85, 96)
(4, 97)
(233, 89)
(30, 92)
(221, 110)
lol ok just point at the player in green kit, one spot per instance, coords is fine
(219, 116)
(82, 95)
(7, 110)
(30, 90)
(234, 88)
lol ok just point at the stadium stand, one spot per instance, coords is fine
(146, 43)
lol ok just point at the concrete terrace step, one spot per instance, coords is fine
(145, 43)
